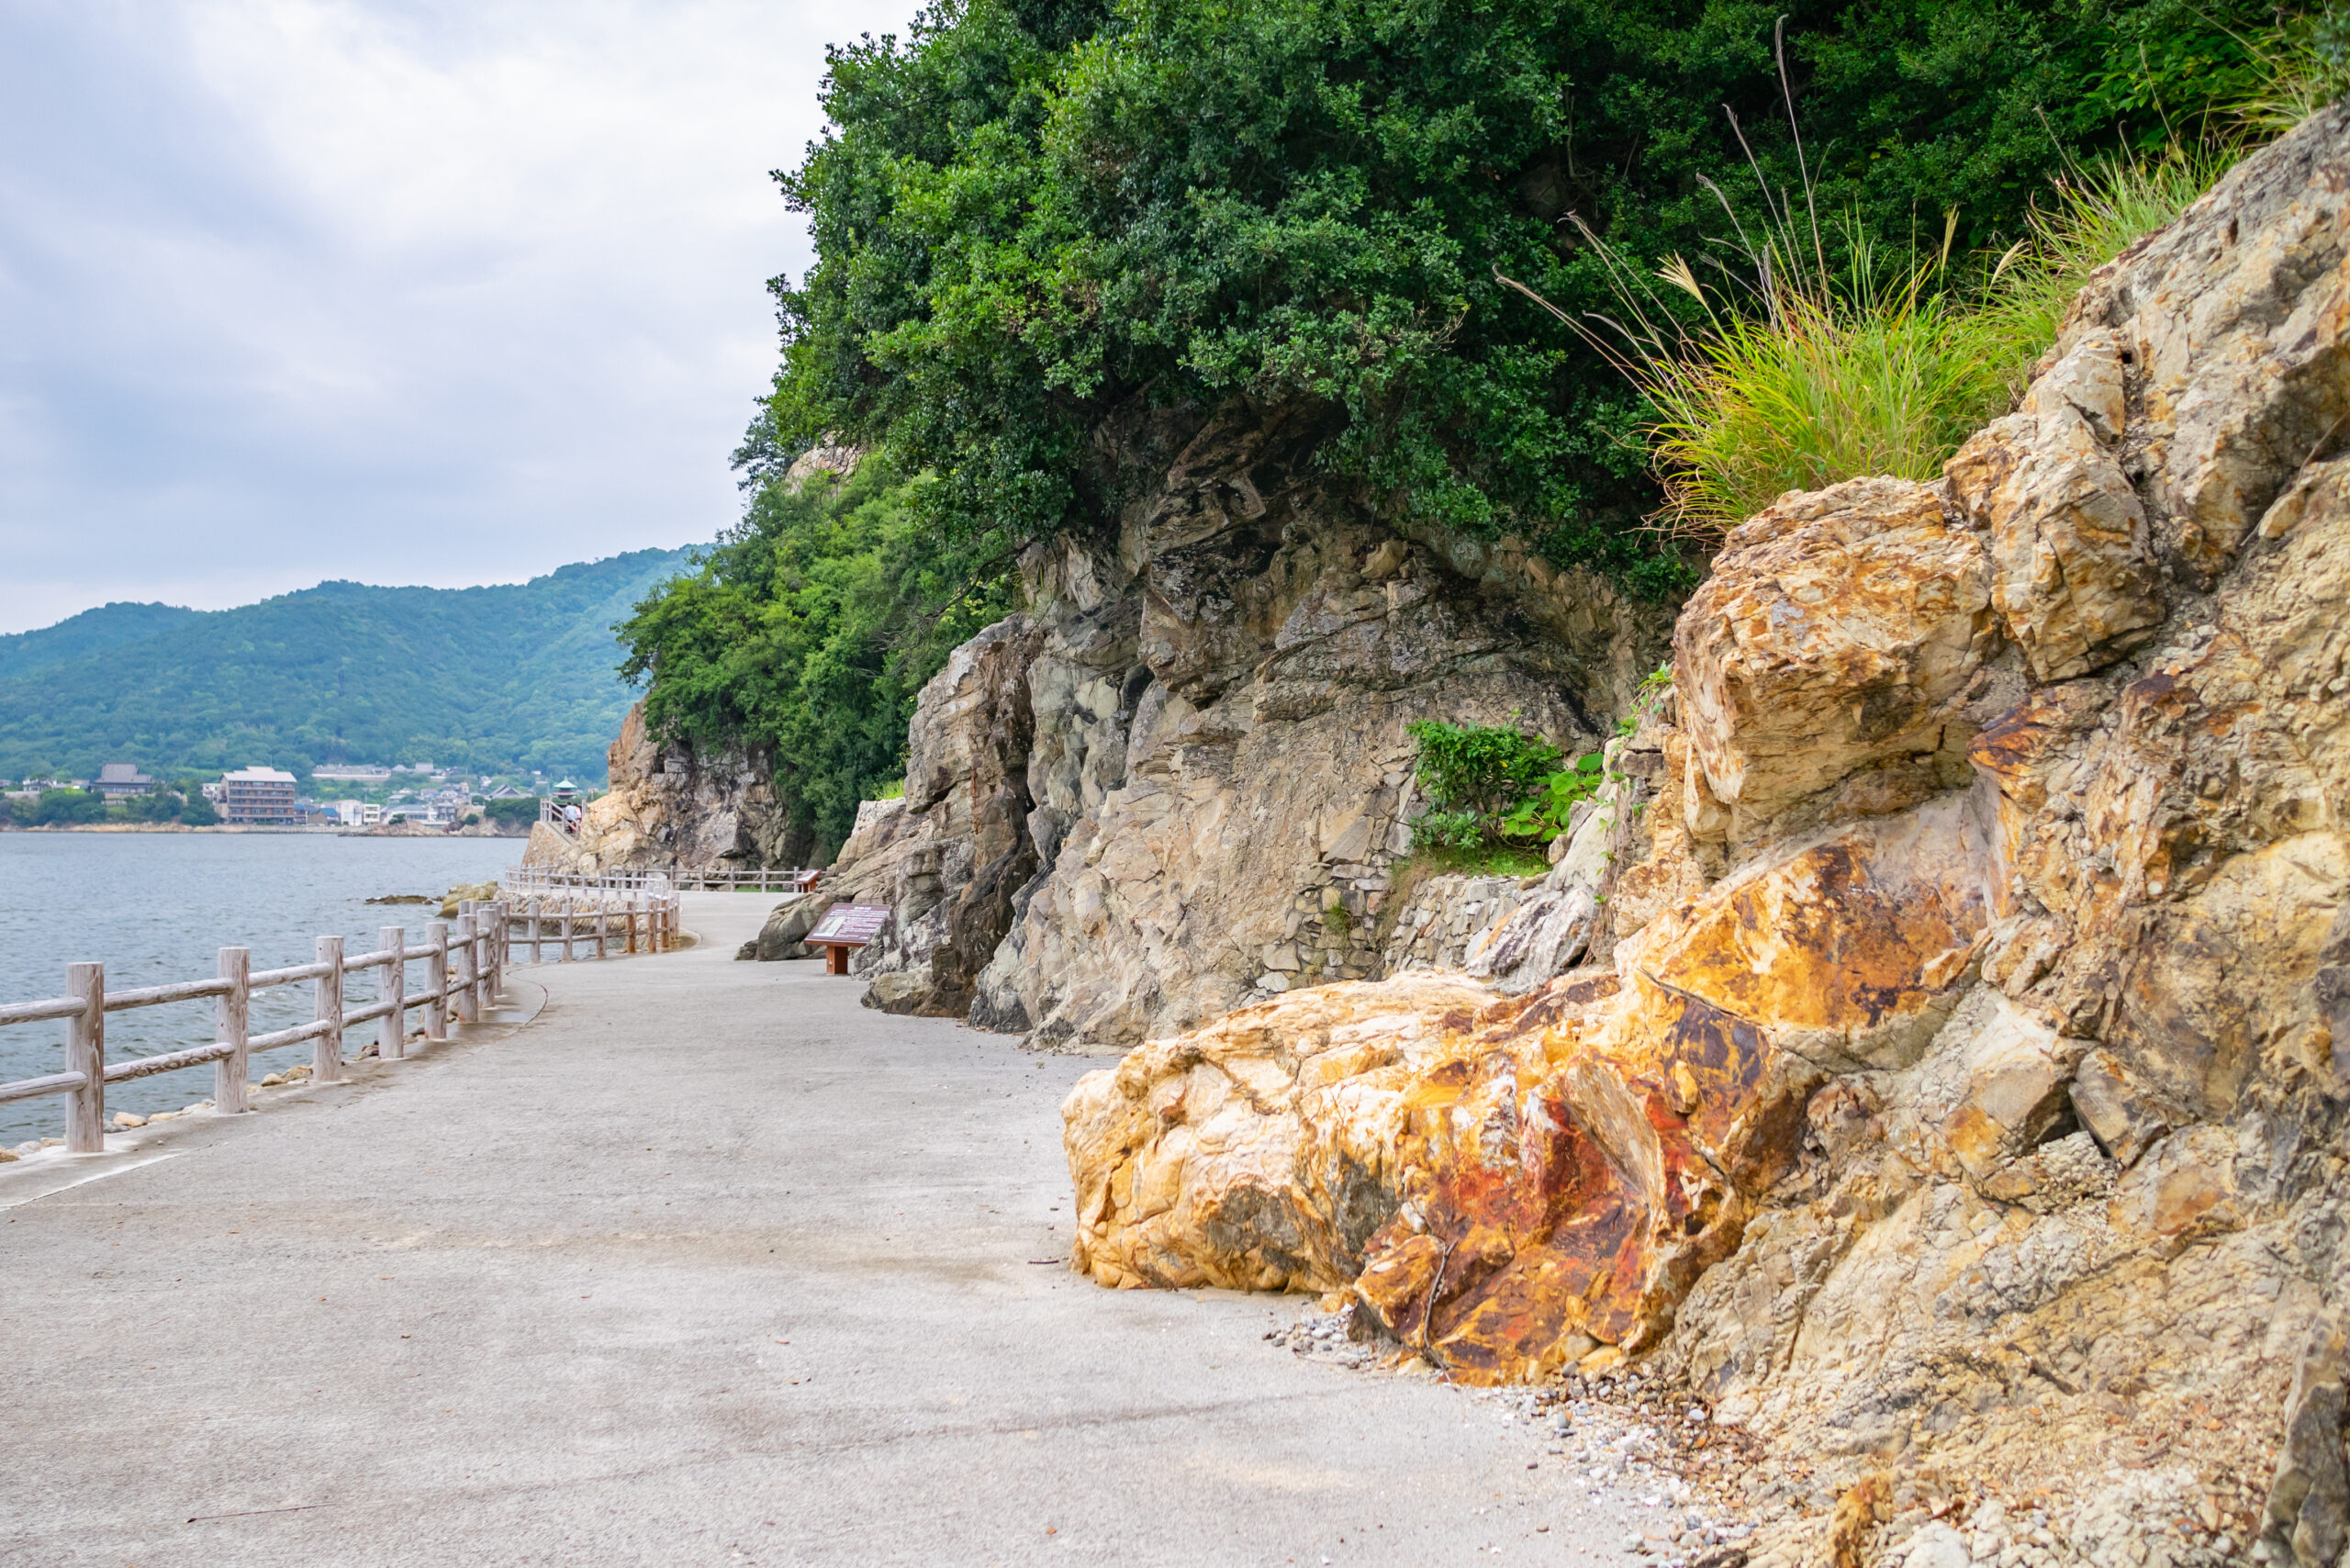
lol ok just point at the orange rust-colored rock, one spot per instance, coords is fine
(1511, 1183)
(1840, 630)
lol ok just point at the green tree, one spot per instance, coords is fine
(60, 807)
(1032, 217)
(805, 634)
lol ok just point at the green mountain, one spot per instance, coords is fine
(518, 676)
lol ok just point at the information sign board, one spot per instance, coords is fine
(849, 925)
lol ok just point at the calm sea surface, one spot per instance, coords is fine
(158, 907)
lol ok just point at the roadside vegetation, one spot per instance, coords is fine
(1494, 787)
(1795, 242)
(806, 632)
(183, 802)
(1037, 218)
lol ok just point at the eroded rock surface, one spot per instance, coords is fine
(1217, 776)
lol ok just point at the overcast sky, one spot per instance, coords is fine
(442, 293)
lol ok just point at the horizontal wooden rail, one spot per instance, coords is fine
(171, 1061)
(157, 995)
(773, 879)
(465, 963)
(34, 1088)
(471, 988)
(40, 1012)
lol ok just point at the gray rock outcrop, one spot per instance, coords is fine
(671, 807)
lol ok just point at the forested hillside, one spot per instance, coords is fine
(513, 676)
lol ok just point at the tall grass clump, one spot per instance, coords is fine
(1793, 374)
(1804, 376)
(2093, 215)
(2303, 65)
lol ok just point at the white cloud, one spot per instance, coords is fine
(291, 290)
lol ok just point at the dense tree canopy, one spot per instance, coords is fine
(1031, 212)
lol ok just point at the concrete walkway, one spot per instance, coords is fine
(705, 1264)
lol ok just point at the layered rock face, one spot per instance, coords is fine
(1178, 779)
(1957, 1076)
(670, 807)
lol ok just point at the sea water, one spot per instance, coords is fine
(157, 907)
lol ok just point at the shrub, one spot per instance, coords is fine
(1545, 816)
(1036, 218)
(59, 806)
(1484, 771)
(1488, 783)
(1438, 829)
(523, 810)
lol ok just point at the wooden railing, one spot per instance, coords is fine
(775, 880)
(464, 973)
(642, 916)
(465, 969)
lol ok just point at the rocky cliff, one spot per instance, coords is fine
(671, 807)
(1952, 1091)
(1179, 779)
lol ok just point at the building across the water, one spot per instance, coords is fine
(119, 780)
(258, 795)
(351, 773)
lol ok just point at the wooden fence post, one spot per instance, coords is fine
(489, 924)
(391, 986)
(436, 980)
(463, 979)
(86, 1053)
(534, 907)
(628, 915)
(232, 1015)
(326, 995)
(603, 915)
(567, 905)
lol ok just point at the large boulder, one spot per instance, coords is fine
(964, 847)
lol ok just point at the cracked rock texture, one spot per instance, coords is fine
(1955, 1083)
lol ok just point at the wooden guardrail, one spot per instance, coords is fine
(773, 880)
(465, 988)
(465, 966)
(641, 918)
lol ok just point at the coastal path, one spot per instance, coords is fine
(689, 1262)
